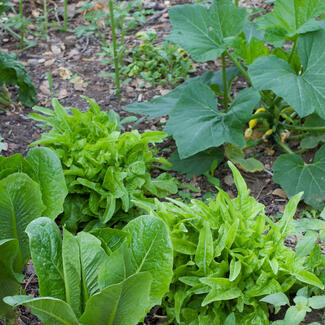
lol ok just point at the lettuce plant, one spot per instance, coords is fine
(227, 255)
(113, 279)
(296, 313)
(30, 187)
(104, 168)
(281, 56)
(12, 72)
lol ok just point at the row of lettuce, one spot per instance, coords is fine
(123, 251)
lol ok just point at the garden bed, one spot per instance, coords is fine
(61, 53)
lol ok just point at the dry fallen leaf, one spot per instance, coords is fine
(45, 88)
(4, 146)
(280, 192)
(63, 93)
(35, 13)
(229, 180)
(65, 74)
(49, 62)
(55, 49)
(78, 83)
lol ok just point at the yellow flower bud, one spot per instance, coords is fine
(252, 123)
(261, 109)
(248, 133)
(268, 132)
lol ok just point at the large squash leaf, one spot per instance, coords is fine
(203, 31)
(51, 179)
(46, 249)
(197, 124)
(122, 303)
(305, 91)
(294, 175)
(294, 16)
(20, 203)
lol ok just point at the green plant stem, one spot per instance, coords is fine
(22, 28)
(236, 3)
(304, 128)
(65, 16)
(282, 144)
(224, 80)
(45, 17)
(265, 115)
(253, 145)
(298, 136)
(239, 66)
(293, 50)
(115, 56)
(299, 152)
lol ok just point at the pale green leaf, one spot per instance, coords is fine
(123, 303)
(50, 311)
(276, 299)
(151, 250)
(204, 251)
(71, 271)
(20, 203)
(8, 282)
(46, 250)
(237, 156)
(51, 179)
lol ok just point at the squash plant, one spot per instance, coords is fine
(113, 279)
(281, 56)
(30, 187)
(12, 72)
(228, 255)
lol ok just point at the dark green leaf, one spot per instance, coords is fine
(202, 31)
(294, 16)
(202, 124)
(294, 175)
(162, 105)
(303, 91)
(12, 72)
(197, 164)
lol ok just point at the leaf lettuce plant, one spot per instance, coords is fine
(104, 168)
(30, 187)
(227, 256)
